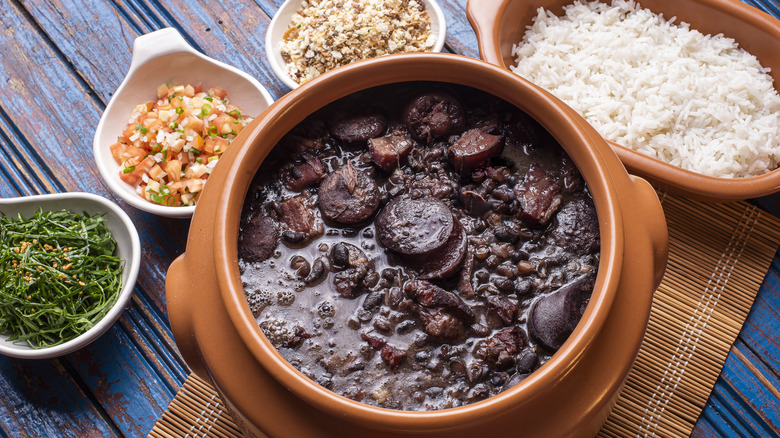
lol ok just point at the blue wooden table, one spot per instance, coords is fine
(60, 62)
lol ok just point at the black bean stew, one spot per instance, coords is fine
(418, 246)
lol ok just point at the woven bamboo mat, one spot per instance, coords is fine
(718, 257)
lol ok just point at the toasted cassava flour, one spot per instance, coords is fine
(325, 34)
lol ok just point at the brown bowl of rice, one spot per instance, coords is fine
(682, 90)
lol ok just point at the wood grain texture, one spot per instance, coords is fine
(60, 62)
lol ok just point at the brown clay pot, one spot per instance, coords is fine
(499, 24)
(570, 395)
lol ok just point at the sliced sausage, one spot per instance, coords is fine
(353, 130)
(473, 148)
(258, 239)
(444, 262)
(348, 196)
(434, 115)
(414, 226)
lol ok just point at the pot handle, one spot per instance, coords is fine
(178, 294)
(647, 211)
(484, 17)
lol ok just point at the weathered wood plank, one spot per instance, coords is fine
(760, 331)
(231, 31)
(50, 120)
(39, 398)
(125, 383)
(741, 401)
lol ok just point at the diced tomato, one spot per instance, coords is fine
(173, 169)
(217, 92)
(117, 150)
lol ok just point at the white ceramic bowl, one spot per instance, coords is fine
(283, 18)
(160, 57)
(128, 249)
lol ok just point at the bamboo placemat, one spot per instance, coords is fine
(718, 257)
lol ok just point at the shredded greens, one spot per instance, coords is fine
(58, 276)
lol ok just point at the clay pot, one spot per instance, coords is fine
(499, 24)
(571, 395)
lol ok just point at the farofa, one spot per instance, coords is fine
(326, 34)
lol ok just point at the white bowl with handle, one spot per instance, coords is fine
(162, 57)
(283, 17)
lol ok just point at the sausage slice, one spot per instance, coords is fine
(414, 226)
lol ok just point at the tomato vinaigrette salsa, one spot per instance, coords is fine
(170, 146)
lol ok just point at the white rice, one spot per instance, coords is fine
(696, 101)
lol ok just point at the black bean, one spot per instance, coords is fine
(339, 256)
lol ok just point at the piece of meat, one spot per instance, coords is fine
(441, 325)
(553, 317)
(576, 226)
(472, 149)
(414, 226)
(444, 262)
(390, 151)
(298, 218)
(434, 115)
(354, 129)
(375, 341)
(348, 196)
(539, 196)
(571, 179)
(349, 283)
(500, 350)
(503, 307)
(258, 239)
(431, 296)
(473, 202)
(301, 175)
(297, 338)
(392, 356)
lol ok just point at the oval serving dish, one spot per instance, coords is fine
(162, 57)
(283, 18)
(571, 395)
(499, 24)
(128, 249)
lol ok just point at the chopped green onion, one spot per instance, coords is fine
(179, 110)
(157, 198)
(195, 151)
(156, 148)
(213, 130)
(235, 113)
(143, 129)
(205, 110)
(208, 98)
(173, 125)
(128, 170)
(199, 160)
